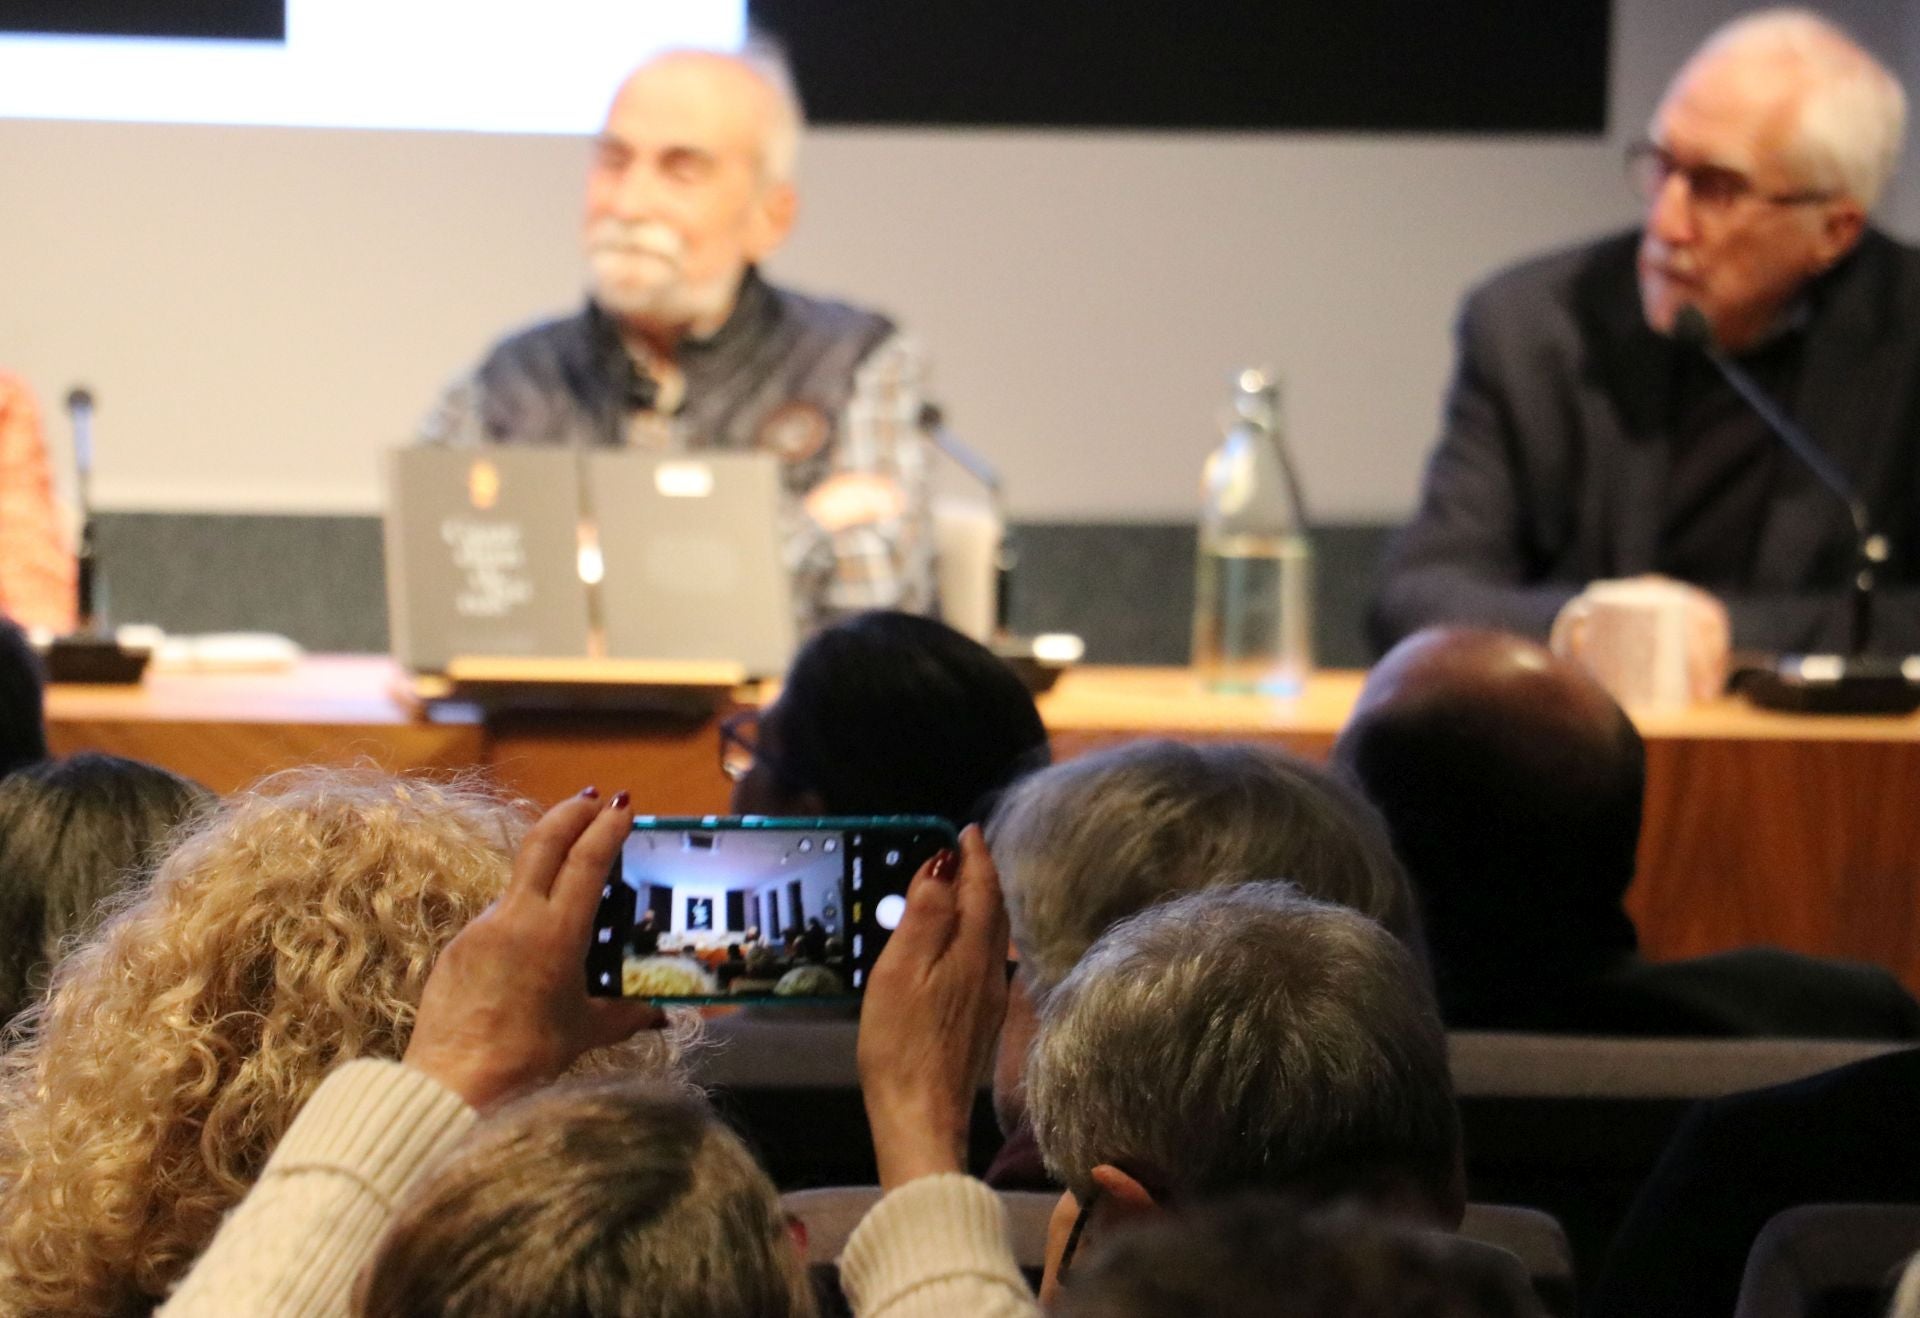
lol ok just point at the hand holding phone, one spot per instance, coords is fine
(940, 995)
(500, 1014)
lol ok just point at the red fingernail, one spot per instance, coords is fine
(591, 793)
(946, 865)
(620, 800)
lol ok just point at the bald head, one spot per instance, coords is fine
(1513, 696)
(753, 86)
(1511, 784)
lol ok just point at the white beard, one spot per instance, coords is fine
(639, 273)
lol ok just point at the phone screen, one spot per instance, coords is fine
(737, 909)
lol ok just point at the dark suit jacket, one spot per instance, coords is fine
(1549, 470)
(1845, 1136)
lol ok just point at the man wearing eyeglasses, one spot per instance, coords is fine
(1582, 443)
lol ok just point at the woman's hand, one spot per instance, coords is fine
(506, 1007)
(932, 1012)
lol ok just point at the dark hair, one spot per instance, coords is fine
(74, 832)
(23, 722)
(1272, 1257)
(891, 713)
(1514, 801)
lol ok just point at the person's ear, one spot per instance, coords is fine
(774, 213)
(1841, 224)
(1122, 1197)
(797, 1233)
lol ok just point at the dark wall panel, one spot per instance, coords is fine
(1127, 588)
(233, 20)
(1520, 66)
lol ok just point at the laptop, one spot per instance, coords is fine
(492, 551)
(695, 558)
(483, 554)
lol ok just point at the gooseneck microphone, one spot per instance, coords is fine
(1853, 683)
(80, 420)
(91, 653)
(1690, 329)
(933, 424)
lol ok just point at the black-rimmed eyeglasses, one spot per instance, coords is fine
(1712, 186)
(739, 743)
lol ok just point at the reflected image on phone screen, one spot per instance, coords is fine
(726, 910)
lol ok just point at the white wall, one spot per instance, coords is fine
(261, 311)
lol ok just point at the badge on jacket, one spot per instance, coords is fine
(795, 431)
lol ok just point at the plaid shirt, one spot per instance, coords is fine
(885, 564)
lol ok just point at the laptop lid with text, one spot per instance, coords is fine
(483, 554)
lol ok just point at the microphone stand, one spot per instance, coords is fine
(1853, 683)
(92, 654)
(1039, 660)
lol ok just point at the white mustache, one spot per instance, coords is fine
(635, 238)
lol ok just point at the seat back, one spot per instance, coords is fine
(1537, 1240)
(831, 1214)
(1828, 1260)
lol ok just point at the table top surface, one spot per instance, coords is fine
(369, 690)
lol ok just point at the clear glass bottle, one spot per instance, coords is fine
(1253, 592)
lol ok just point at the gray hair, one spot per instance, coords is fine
(621, 1197)
(1247, 1038)
(780, 151)
(1853, 111)
(1088, 842)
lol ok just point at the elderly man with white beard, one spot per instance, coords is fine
(682, 344)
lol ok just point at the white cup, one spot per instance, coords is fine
(1634, 637)
(967, 538)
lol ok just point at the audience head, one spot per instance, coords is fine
(606, 1197)
(73, 833)
(1260, 1256)
(1087, 843)
(810, 981)
(292, 930)
(1766, 154)
(1246, 1038)
(23, 720)
(691, 183)
(891, 713)
(1511, 783)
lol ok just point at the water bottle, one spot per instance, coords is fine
(1253, 594)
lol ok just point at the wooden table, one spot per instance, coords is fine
(1760, 828)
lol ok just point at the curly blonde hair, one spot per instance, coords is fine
(292, 930)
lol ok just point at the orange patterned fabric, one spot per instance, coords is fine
(37, 570)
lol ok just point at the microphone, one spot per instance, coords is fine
(1853, 683)
(80, 420)
(92, 653)
(933, 423)
(1039, 660)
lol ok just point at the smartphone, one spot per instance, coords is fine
(753, 908)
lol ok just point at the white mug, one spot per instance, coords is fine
(1634, 637)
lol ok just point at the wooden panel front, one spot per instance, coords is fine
(1760, 827)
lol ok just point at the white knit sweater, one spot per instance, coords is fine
(294, 1246)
